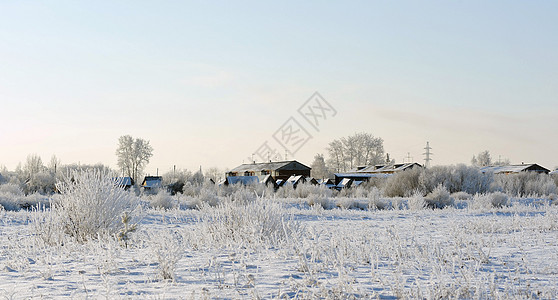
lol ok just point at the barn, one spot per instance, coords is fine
(279, 170)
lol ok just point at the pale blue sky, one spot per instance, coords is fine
(208, 82)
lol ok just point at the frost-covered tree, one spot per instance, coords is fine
(356, 150)
(319, 167)
(33, 165)
(214, 173)
(133, 155)
(482, 159)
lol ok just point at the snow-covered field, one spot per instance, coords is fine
(285, 248)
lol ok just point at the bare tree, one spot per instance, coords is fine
(133, 155)
(214, 173)
(356, 150)
(33, 165)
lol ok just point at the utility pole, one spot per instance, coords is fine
(427, 154)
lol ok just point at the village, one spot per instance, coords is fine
(293, 173)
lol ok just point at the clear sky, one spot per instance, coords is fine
(207, 82)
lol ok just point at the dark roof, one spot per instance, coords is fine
(291, 164)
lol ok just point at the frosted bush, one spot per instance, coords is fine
(487, 201)
(209, 197)
(244, 195)
(498, 199)
(403, 183)
(34, 200)
(12, 189)
(91, 203)
(346, 203)
(461, 196)
(259, 222)
(374, 200)
(524, 184)
(439, 198)
(416, 202)
(9, 202)
(320, 200)
(286, 191)
(162, 200)
(167, 249)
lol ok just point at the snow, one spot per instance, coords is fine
(509, 252)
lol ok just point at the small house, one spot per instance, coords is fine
(296, 180)
(152, 183)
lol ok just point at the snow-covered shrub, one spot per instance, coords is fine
(346, 203)
(498, 199)
(439, 198)
(9, 202)
(258, 222)
(491, 200)
(42, 182)
(304, 190)
(209, 197)
(10, 188)
(244, 195)
(162, 200)
(525, 184)
(287, 190)
(403, 183)
(416, 201)
(460, 178)
(374, 199)
(34, 200)
(320, 200)
(91, 203)
(461, 196)
(166, 248)
(12, 198)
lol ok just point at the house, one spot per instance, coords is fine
(515, 169)
(125, 182)
(152, 183)
(311, 180)
(327, 182)
(296, 180)
(345, 183)
(555, 172)
(364, 173)
(278, 170)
